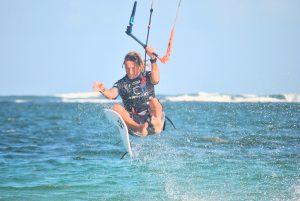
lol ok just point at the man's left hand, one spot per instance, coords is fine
(150, 51)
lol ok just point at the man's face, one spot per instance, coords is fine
(132, 70)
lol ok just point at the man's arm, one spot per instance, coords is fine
(155, 75)
(107, 93)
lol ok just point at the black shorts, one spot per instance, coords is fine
(142, 118)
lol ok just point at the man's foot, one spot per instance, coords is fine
(157, 124)
(143, 129)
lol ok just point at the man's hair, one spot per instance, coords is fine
(136, 58)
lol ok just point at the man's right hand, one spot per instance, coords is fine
(98, 86)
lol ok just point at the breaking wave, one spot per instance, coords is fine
(85, 97)
(95, 97)
(217, 97)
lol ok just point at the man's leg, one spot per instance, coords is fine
(141, 128)
(156, 113)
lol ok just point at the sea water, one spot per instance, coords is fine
(57, 149)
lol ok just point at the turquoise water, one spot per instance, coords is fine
(53, 150)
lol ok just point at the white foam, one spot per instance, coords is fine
(75, 100)
(21, 101)
(78, 95)
(292, 97)
(296, 193)
(216, 97)
(84, 97)
(95, 97)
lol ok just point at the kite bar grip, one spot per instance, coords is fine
(132, 14)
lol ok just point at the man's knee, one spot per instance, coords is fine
(117, 107)
(154, 103)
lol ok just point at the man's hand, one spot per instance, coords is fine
(98, 86)
(150, 52)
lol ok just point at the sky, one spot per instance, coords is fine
(221, 46)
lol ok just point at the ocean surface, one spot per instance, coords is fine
(225, 147)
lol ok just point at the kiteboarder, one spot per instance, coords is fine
(142, 112)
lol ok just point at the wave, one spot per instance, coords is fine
(217, 97)
(95, 97)
(84, 97)
(28, 99)
(81, 95)
(74, 100)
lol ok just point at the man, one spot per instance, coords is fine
(142, 112)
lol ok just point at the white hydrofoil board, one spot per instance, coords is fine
(117, 120)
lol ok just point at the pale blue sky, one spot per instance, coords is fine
(227, 46)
